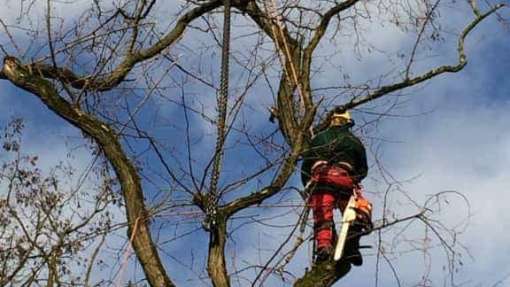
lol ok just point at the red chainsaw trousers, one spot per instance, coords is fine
(322, 202)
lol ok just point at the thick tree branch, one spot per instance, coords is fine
(286, 109)
(297, 135)
(106, 138)
(119, 73)
(318, 35)
(408, 82)
(216, 266)
(291, 58)
(261, 18)
(324, 23)
(324, 274)
(259, 196)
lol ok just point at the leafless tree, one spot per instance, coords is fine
(48, 225)
(139, 79)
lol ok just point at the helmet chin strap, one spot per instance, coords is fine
(350, 123)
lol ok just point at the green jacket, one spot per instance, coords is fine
(336, 144)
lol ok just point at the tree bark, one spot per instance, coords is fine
(324, 274)
(216, 266)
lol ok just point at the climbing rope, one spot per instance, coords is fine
(278, 30)
(222, 102)
(284, 52)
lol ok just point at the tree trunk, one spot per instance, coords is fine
(216, 266)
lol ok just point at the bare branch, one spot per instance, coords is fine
(118, 74)
(382, 91)
(324, 23)
(462, 61)
(258, 197)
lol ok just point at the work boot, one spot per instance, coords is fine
(323, 254)
(352, 253)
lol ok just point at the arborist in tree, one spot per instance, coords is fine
(334, 165)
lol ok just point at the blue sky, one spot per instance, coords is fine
(456, 137)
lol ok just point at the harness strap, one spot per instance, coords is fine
(323, 225)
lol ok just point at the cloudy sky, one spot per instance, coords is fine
(450, 134)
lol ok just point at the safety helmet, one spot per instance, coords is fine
(342, 118)
(346, 115)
